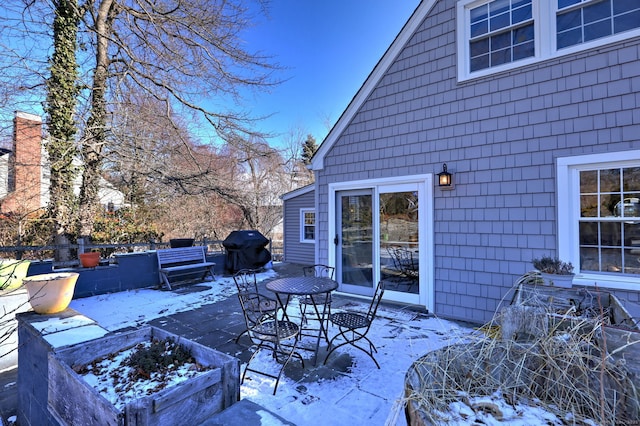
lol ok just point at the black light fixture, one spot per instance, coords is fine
(445, 179)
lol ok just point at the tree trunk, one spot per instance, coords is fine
(95, 137)
(60, 108)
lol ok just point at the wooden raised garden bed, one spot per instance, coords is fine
(73, 401)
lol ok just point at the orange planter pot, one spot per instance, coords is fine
(90, 259)
(51, 293)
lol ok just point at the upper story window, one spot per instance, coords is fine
(307, 225)
(580, 21)
(499, 35)
(501, 32)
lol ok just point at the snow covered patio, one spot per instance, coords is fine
(350, 389)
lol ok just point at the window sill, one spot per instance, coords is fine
(607, 281)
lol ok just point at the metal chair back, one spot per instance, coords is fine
(318, 270)
(255, 306)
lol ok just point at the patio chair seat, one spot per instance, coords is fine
(349, 320)
(272, 331)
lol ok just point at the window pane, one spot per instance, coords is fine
(610, 180)
(632, 235)
(589, 259)
(479, 47)
(523, 34)
(500, 41)
(589, 206)
(569, 38)
(525, 50)
(588, 233)
(479, 13)
(611, 260)
(597, 30)
(608, 204)
(479, 63)
(589, 181)
(621, 6)
(479, 28)
(309, 233)
(597, 11)
(631, 179)
(498, 6)
(501, 57)
(629, 206)
(610, 234)
(626, 22)
(569, 20)
(632, 261)
(500, 21)
(521, 14)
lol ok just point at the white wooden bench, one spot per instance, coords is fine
(179, 262)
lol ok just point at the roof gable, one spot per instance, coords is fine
(416, 19)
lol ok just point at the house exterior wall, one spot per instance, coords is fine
(296, 251)
(500, 136)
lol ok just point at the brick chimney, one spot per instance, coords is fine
(25, 166)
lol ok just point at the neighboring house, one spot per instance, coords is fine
(299, 225)
(534, 106)
(25, 172)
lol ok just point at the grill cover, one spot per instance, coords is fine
(245, 250)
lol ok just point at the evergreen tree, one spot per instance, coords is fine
(309, 147)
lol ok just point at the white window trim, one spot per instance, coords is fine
(544, 15)
(302, 225)
(568, 192)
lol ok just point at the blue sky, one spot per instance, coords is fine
(328, 48)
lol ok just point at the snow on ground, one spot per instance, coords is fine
(364, 394)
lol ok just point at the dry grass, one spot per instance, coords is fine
(558, 361)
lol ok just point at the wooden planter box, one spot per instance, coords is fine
(73, 401)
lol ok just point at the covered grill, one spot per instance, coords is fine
(245, 250)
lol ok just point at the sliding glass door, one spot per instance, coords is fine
(382, 233)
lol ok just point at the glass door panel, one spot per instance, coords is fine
(398, 224)
(354, 242)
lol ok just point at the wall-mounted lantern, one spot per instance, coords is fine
(445, 179)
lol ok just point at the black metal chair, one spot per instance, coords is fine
(260, 305)
(322, 271)
(354, 326)
(269, 332)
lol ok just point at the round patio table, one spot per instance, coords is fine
(316, 288)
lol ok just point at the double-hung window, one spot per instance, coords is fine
(581, 21)
(497, 35)
(307, 225)
(599, 217)
(501, 32)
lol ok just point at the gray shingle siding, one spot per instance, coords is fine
(500, 136)
(294, 250)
